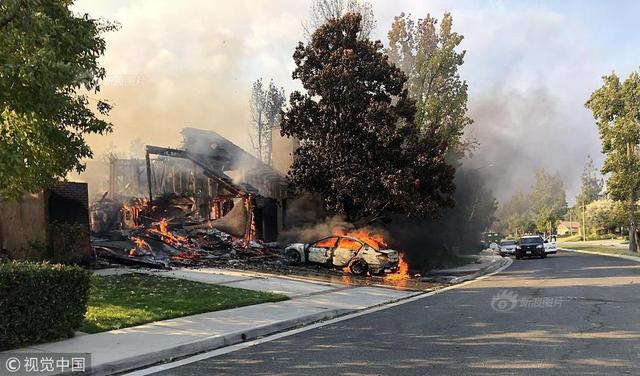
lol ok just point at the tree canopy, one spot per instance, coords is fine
(515, 215)
(539, 210)
(590, 184)
(429, 56)
(323, 11)
(359, 148)
(605, 215)
(48, 56)
(265, 104)
(548, 200)
(616, 110)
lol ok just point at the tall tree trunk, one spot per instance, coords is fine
(260, 152)
(633, 236)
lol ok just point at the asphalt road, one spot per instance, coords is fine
(569, 314)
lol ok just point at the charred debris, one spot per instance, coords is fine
(208, 203)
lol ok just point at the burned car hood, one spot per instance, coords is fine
(298, 246)
(392, 254)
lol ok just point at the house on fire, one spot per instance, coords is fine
(208, 179)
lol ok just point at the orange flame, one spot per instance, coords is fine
(401, 276)
(166, 235)
(138, 206)
(251, 235)
(216, 209)
(374, 240)
(140, 247)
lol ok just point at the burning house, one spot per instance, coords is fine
(208, 186)
(204, 179)
(210, 203)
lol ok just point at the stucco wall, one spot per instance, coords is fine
(23, 222)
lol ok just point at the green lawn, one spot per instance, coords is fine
(121, 301)
(601, 249)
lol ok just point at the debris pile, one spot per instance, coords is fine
(139, 234)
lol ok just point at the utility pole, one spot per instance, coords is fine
(570, 223)
(584, 226)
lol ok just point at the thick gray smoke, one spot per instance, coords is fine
(307, 220)
(425, 242)
(519, 132)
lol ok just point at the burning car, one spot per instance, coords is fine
(348, 252)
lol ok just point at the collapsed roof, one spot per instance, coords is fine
(234, 163)
(236, 170)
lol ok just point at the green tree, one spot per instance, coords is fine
(515, 217)
(429, 56)
(591, 184)
(548, 200)
(359, 148)
(265, 104)
(616, 110)
(604, 215)
(538, 210)
(48, 56)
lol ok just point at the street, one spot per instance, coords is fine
(568, 314)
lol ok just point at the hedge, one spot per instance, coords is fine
(40, 302)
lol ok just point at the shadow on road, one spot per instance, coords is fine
(569, 314)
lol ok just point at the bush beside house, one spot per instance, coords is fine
(40, 302)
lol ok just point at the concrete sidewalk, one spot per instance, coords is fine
(125, 349)
(626, 257)
(596, 243)
(310, 301)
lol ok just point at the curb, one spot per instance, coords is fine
(211, 343)
(228, 349)
(626, 257)
(504, 262)
(229, 339)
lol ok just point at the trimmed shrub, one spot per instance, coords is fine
(40, 302)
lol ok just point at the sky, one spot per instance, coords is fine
(530, 67)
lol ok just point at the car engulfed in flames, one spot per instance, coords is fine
(356, 253)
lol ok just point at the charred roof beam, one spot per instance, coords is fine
(201, 161)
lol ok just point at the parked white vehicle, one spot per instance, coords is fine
(550, 246)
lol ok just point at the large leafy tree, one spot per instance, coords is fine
(616, 109)
(48, 58)
(548, 200)
(265, 103)
(515, 215)
(605, 215)
(429, 55)
(590, 184)
(359, 148)
(540, 209)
